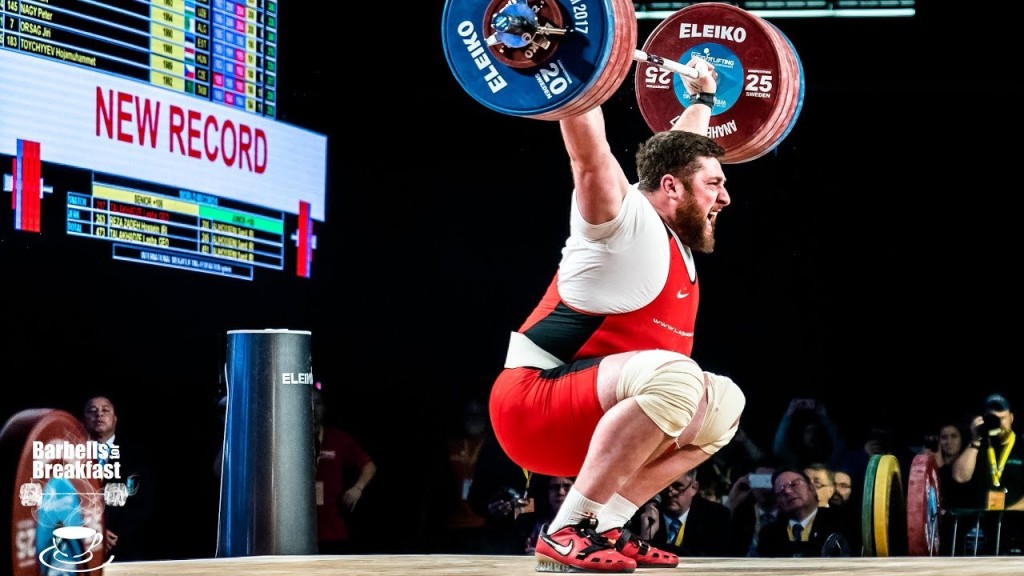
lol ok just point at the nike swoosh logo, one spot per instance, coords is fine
(682, 294)
(563, 549)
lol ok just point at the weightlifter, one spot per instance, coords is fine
(598, 381)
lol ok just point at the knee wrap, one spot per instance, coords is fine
(668, 386)
(725, 405)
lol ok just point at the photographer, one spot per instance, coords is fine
(500, 494)
(992, 466)
(752, 505)
(806, 434)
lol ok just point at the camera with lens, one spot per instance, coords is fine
(508, 494)
(990, 425)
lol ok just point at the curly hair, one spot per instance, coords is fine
(672, 152)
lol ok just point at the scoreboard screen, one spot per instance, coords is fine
(149, 129)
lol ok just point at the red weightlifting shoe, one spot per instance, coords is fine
(645, 555)
(580, 549)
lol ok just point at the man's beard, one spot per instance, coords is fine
(690, 222)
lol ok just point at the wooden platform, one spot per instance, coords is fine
(449, 565)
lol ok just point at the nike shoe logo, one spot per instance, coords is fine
(682, 294)
(563, 549)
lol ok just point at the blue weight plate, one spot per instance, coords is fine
(614, 72)
(575, 64)
(800, 95)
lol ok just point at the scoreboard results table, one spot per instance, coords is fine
(224, 51)
(181, 231)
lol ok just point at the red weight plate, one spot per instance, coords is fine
(923, 498)
(746, 57)
(790, 83)
(59, 501)
(767, 138)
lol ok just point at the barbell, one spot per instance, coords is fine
(32, 494)
(553, 59)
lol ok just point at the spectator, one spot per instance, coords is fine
(992, 467)
(844, 488)
(823, 480)
(339, 458)
(752, 504)
(947, 445)
(840, 503)
(547, 505)
(465, 525)
(807, 434)
(500, 494)
(688, 525)
(802, 527)
(945, 448)
(126, 528)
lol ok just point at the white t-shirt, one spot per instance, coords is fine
(620, 265)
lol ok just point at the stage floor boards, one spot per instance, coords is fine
(456, 565)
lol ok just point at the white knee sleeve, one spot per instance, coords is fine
(668, 386)
(725, 405)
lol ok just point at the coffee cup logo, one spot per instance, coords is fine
(72, 549)
(78, 535)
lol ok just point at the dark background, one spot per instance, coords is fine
(866, 261)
